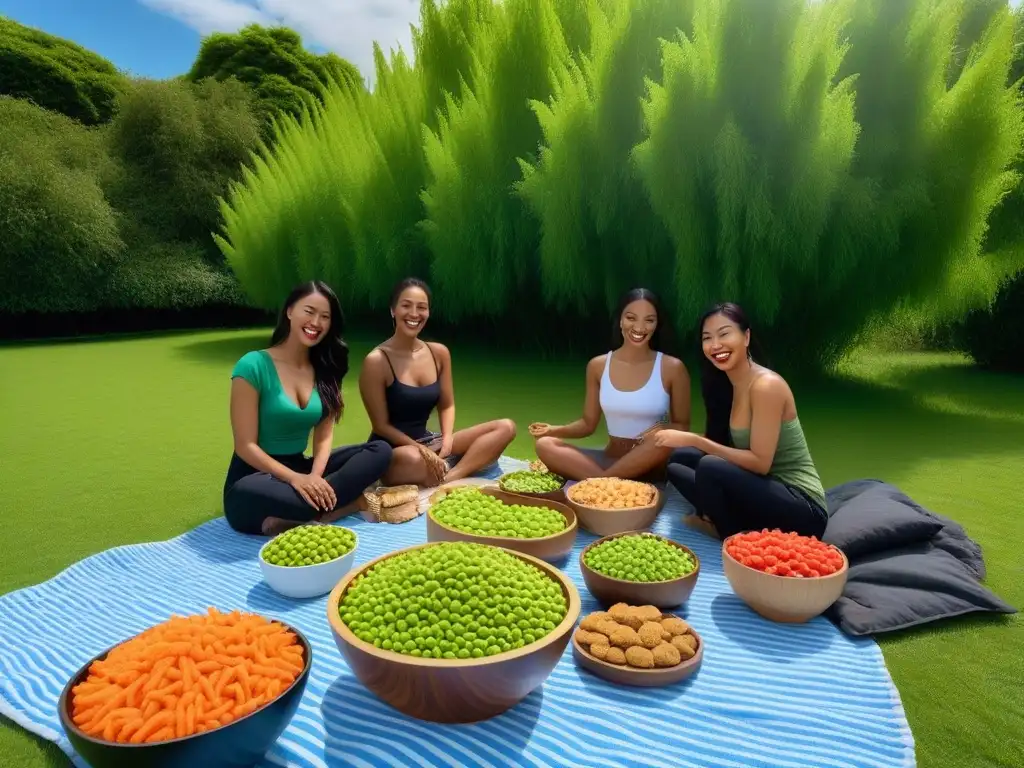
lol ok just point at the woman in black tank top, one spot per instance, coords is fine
(402, 382)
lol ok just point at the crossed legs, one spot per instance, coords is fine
(478, 447)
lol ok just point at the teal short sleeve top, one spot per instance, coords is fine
(283, 427)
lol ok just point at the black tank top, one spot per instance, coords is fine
(410, 407)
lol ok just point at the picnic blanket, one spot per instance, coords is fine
(766, 694)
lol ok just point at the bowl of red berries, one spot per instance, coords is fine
(784, 577)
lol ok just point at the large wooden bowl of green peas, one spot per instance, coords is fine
(639, 568)
(453, 632)
(487, 515)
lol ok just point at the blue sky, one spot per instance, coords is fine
(160, 38)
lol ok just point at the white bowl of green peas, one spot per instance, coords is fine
(309, 560)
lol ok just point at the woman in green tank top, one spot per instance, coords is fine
(752, 469)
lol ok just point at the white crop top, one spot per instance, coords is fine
(630, 414)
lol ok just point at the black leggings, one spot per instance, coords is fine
(250, 496)
(736, 500)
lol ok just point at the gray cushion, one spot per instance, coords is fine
(875, 520)
(901, 577)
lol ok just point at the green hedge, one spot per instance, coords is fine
(540, 156)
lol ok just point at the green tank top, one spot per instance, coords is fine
(284, 428)
(792, 464)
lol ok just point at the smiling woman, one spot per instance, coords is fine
(278, 396)
(403, 381)
(752, 469)
(639, 390)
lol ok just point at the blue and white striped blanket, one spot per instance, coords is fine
(766, 694)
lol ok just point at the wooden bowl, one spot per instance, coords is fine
(607, 522)
(556, 495)
(662, 594)
(453, 690)
(551, 548)
(645, 678)
(242, 742)
(785, 599)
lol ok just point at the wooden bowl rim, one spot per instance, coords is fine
(692, 574)
(299, 568)
(789, 579)
(567, 623)
(571, 528)
(657, 671)
(645, 508)
(69, 725)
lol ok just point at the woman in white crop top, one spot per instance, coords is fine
(637, 389)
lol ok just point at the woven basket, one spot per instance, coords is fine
(398, 504)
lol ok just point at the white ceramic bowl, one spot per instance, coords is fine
(303, 581)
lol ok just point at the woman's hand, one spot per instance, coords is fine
(540, 429)
(674, 438)
(316, 491)
(436, 466)
(445, 449)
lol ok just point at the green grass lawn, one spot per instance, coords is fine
(119, 441)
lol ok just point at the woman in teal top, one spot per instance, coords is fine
(752, 469)
(278, 397)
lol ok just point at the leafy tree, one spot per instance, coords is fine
(179, 144)
(59, 237)
(286, 78)
(57, 74)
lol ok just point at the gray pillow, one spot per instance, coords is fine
(907, 588)
(875, 520)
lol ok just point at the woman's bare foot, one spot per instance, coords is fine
(359, 505)
(273, 526)
(702, 524)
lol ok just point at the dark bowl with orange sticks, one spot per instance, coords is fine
(130, 707)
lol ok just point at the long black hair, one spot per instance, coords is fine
(716, 389)
(658, 338)
(329, 356)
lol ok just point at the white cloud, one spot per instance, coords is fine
(347, 27)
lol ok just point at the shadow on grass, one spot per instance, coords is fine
(877, 431)
(223, 351)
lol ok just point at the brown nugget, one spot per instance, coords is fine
(599, 650)
(608, 627)
(666, 655)
(619, 611)
(650, 634)
(632, 619)
(591, 621)
(648, 612)
(639, 657)
(615, 656)
(686, 644)
(585, 638)
(675, 626)
(624, 637)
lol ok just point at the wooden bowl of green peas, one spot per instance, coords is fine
(466, 630)
(537, 527)
(639, 568)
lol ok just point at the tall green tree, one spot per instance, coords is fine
(584, 188)
(286, 78)
(482, 238)
(57, 74)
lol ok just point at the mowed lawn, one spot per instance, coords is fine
(112, 442)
